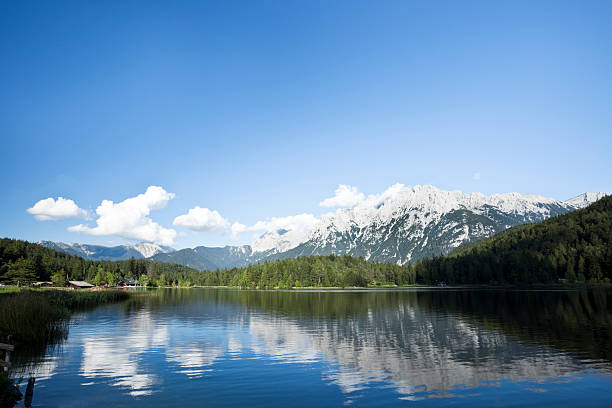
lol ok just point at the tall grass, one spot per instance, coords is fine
(35, 318)
(30, 319)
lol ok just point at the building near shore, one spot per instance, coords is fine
(79, 285)
(127, 282)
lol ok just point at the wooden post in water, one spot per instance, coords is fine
(27, 403)
(6, 361)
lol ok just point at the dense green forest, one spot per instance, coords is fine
(23, 262)
(313, 271)
(574, 247)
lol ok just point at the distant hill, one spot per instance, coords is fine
(211, 258)
(194, 258)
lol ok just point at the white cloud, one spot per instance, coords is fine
(301, 222)
(389, 193)
(238, 228)
(130, 218)
(346, 196)
(282, 233)
(476, 176)
(201, 219)
(51, 209)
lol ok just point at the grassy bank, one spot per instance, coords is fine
(39, 317)
(35, 319)
(368, 287)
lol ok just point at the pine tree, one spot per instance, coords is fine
(59, 278)
(21, 272)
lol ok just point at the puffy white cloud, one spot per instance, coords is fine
(238, 228)
(130, 218)
(346, 197)
(301, 222)
(51, 209)
(201, 219)
(282, 233)
(389, 193)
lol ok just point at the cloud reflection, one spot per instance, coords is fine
(194, 359)
(118, 355)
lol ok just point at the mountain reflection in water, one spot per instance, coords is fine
(229, 347)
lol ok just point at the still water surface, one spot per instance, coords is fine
(416, 347)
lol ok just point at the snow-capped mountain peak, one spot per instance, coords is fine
(277, 241)
(99, 252)
(147, 249)
(402, 224)
(407, 223)
(584, 199)
(425, 204)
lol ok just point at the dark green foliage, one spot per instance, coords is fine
(313, 271)
(39, 317)
(30, 318)
(23, 262)
(21, 271)
(59, 278)
(35, 319)
(573, 247)
(316, 271)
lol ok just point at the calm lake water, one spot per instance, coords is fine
(423, 347)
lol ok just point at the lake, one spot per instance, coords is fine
(377, 348)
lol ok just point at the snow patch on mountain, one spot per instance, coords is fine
(400, 225)
(406, 223)
(585, 199)
(277, 241)
(424, 205)
(100, 252)
(148, 250)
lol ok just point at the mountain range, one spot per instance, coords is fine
(116, 253)
(401, 225)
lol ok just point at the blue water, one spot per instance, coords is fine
(225, 348)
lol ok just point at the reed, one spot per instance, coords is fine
(40, 317)
(37, 319)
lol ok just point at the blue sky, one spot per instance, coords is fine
(261, 109)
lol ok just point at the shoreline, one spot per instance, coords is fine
(568, 286)
(6, 290)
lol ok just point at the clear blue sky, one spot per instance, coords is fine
(258, 109)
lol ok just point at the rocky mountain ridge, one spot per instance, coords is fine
(401, 225)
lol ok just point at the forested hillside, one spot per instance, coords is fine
(313, 271)
(573, 247)
(24, 262)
